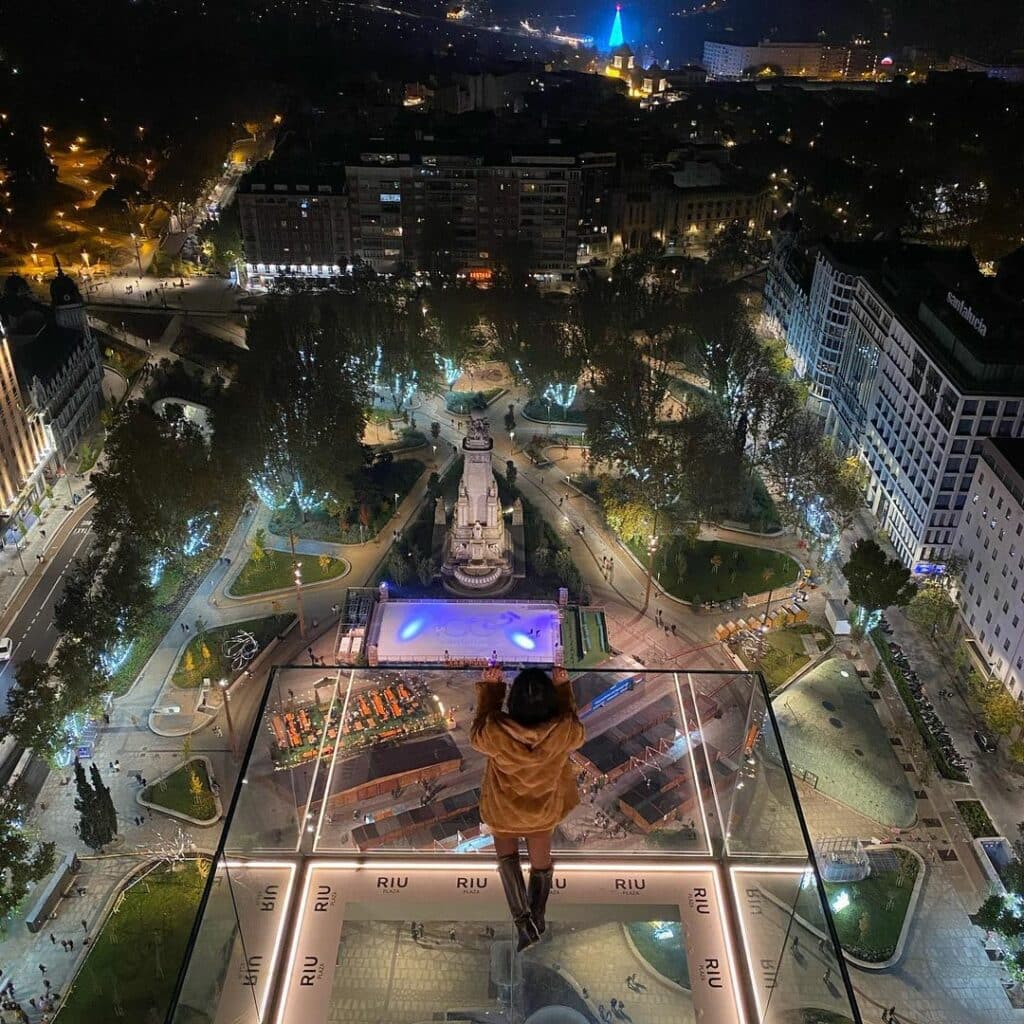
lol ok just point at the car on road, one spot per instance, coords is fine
(6, 648)
(985, 742)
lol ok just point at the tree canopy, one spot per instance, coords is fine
(876, 581)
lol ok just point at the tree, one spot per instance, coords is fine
(435, 430)
(1002, 712)
(293, 421)
(510, 473)
(25, 861)
(104, 802)
(932, 608)
(875, 581)
(155, 480)
(35, 712)
(94, 822)
(397, 566)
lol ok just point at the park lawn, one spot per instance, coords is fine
(741, 571)
(976, 818)
(537, 409)
(124, 358)
(784, 653)
(375, 486)
(877, 940)
(205, 350)
(460, 402)
(274, 572)
(175, 793)
(135, 958)
(217, 665)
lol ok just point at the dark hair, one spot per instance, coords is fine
(532, 699)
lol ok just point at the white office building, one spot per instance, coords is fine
(990, 541)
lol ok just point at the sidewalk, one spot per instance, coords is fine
(21, 571)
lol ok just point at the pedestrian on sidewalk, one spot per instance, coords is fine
(827, 976)
(85, 927)
(53, 939)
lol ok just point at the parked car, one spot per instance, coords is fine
(6, 648)
(985, 742)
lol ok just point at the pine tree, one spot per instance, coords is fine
(85, 804)
(105, 804)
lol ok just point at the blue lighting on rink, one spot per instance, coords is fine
(522, 640)
(509, 632)
(412, 628)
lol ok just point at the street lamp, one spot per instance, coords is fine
(135, 242)
(652, 546)
(223, 684)
(396, 503)
(35, 255)
(297, 567)
(512, 441)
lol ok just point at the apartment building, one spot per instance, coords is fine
(990, 542)
(931, 370)
(425, 210)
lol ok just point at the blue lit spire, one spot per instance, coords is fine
(615, 39)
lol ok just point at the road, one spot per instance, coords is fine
(32, 627)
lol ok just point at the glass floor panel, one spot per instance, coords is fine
(654, 940)
(357, 815)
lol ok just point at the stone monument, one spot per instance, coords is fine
(480, 551)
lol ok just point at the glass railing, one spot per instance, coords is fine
(356, 881)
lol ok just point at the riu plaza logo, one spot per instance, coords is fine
(391, 885)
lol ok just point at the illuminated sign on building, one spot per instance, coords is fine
(967, 313)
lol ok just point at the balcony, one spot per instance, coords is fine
(356, 815)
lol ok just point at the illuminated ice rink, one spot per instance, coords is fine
(438, 631)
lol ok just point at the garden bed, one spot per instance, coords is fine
(205, 652)
(872, 914)
(125, 358)
(374, 486)
(462, 402)
(151, 926)
(213, 354)
(175, 794)
(686, 570)
(274, 572)
(784, 653)
(544, 412)
(976, 818)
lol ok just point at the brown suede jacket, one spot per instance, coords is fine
(529, 785)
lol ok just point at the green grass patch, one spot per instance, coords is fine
(205, 652)
(687, 571)
(374, 488)
(149, 927)
(946, 770)
(124, 358)
(539, 409)
(408, 437)
(784, 653)
(660, 943)
(176, 793)
(207, 351)
(976, 818)
(870, 925)
(584, 638)
(461, 402)
(89, 451)
(274, 572)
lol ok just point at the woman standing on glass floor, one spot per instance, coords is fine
(528, 785)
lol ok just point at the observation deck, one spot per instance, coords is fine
(357, 817)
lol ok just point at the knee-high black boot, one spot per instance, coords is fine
(515, 893)
(540, 889)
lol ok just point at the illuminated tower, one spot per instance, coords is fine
(615, 39)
